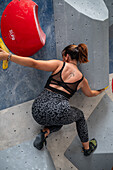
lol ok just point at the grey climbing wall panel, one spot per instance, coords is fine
(100, 125)
(25, 157)
(109, 4)
(79, 21)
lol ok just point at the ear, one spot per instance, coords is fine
(68, 57)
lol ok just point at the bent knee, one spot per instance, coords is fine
(81, 114)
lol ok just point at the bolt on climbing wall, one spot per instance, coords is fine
(79, 21)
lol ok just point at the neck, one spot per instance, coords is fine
(73, 62)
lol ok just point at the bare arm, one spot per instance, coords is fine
(87, 91)
(49, 65)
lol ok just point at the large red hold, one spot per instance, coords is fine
(112, 85)
(20, 28)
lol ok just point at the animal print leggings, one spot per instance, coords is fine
(53, 111)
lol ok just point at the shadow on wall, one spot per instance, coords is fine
(19, 84)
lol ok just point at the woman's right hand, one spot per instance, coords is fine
(3, 54)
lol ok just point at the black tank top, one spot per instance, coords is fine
(57, 80)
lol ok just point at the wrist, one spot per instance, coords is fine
(9, 56)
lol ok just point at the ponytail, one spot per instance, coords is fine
(83, 53)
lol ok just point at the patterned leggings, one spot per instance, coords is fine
(53, 111)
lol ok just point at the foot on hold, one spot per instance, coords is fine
(92, 147)
(40, 140)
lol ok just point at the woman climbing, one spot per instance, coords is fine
(51, 108)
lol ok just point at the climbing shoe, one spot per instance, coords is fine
(40, 140)
(92, 147)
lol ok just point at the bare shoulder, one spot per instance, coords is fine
(84, 83)
(59, 66)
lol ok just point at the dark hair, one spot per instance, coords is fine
(80, 52)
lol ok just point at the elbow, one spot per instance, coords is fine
(90, 95)
(33, 64)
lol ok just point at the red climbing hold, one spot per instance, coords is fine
(112, 85)
(20, 28)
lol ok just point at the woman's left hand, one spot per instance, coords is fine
(3, 55)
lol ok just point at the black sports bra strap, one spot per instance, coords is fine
(81, 79)
(59, 70)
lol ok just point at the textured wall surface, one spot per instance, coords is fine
(12, 134)
(102, 158)
(74, 22)
(26, 157)
(19, 84)
(109, 4)
(85, 22)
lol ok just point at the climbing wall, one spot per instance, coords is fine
(85, 22)
(25, 156)
(17, 133)
(64, 22)
(19, 84)
(100, 127)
